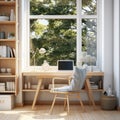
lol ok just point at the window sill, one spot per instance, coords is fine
(39, 69)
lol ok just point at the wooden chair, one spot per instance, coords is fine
(66, 94)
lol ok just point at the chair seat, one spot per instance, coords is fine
(69, 92)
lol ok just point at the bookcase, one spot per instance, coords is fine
(8, 46)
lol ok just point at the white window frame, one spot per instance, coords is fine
(25, 34)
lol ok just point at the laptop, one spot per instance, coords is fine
(65, 64)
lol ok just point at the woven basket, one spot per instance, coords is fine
(108, 102)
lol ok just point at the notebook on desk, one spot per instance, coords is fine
(65, 64)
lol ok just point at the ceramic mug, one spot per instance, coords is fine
(2, 35)
(3, 70)
(8, 70)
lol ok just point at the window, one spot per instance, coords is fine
(56, 36)
(63, 28)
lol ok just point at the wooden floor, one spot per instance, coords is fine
(76, 113)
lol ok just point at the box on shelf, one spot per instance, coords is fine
(7, 101)
(2, 86)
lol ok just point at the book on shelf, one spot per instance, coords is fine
(11, 53)
(10, 86)
(13, 50)
(2, 86)
(0, 51)
(7, 51)
(3, 51)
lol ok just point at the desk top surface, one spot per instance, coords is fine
(57, 73)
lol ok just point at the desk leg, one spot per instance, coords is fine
(36, 93)
(90, 93)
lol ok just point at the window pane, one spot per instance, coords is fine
(57, 36)
(89, 7)
(89, 36)
(52, 7)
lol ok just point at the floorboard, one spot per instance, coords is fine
(76, 113)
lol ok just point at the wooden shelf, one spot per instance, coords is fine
(9, 3)
(28, 90)
(7, 91)
(47, 90)
(7, 40)
(97, 90)
(7, 22)
(6, 75)
(34, 90)
(1, 58)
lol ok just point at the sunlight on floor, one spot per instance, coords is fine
(41, 113)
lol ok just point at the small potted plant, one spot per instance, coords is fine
(11, 35)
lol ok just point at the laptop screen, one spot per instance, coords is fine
(65, 64)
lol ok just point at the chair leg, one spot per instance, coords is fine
(89, 99)
(90, 94)
(65, 104)
(51, 109)
(37, 93)
(68, 108)
(81, 103)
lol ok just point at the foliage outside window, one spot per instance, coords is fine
(89, 36)
(58, 37)
(53, 26)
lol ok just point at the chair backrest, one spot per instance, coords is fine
(78, 79)
(77, 82)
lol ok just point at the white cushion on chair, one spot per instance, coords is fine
(77, 81)
(63, 89)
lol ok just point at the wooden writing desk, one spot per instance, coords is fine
(50, 74)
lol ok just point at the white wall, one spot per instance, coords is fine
(107, 43)
(117, 48)
(20, 20)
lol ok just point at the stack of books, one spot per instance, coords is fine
(10, 86)
(6, 51)
(93, 85)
